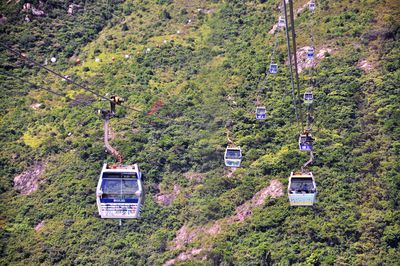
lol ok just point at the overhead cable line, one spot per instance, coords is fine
(144, 124)
(21, 55)
(295, 55)
(35, 85)
(63, 77)
(298, 119)
(48, 90)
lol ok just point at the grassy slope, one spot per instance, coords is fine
(221, 54)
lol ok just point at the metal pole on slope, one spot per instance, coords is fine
(295, 57)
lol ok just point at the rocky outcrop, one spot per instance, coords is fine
(39, 226)
(166, 199)
(28, 181)
(73, 8)
(186, 235)
(34, 10)
(304, 63)
(365, 66)
(3, 19)
(185, 256)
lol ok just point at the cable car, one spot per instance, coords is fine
(261, 113)
(233, 156)
(302, 190)
(306, 142)
(119, 192)
(308, 97)
(311, 6)
(273, 68)
(281, 22)
(310, 53)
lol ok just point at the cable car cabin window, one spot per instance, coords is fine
(261, 113)
(233, 154)
(119, 186)
(261, 110)
(281, 22)
(303, 138)
(273, 68)
(311, 6)
(305, 142)
(308, 96)
(310, 53)
(301, 185)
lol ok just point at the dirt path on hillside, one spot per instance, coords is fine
(187, 235)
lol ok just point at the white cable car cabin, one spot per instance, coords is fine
(120, 192)
(306, 142)
(233, 156)
(311, 6)
(310, 53)
(302, 190)
(273, 68)
(281, 22)
(308, 97)
(261, 113)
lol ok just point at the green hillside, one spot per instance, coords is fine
(192, 69)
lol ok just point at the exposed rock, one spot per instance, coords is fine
(298, 13)
(167, 198)
(274, 190)
(3, 19)
(36, 106)
(193, 176)
(205, 11)
(26, 7)
(41, 4)
(156, 106)
(304, 63)
(39, 226)
(230, 171)
(186, 235)
(323, 52)
(302, 9)
(274, 29)
(366, 66)
(214, 229)
(28, 181)
(73, 8)
(184, 256)
(37, 12)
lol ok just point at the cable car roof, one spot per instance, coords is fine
(133, 168)
(233, 149)
(301, 175)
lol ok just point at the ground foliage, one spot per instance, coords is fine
(206, 73)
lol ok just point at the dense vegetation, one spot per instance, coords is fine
(206, 77)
